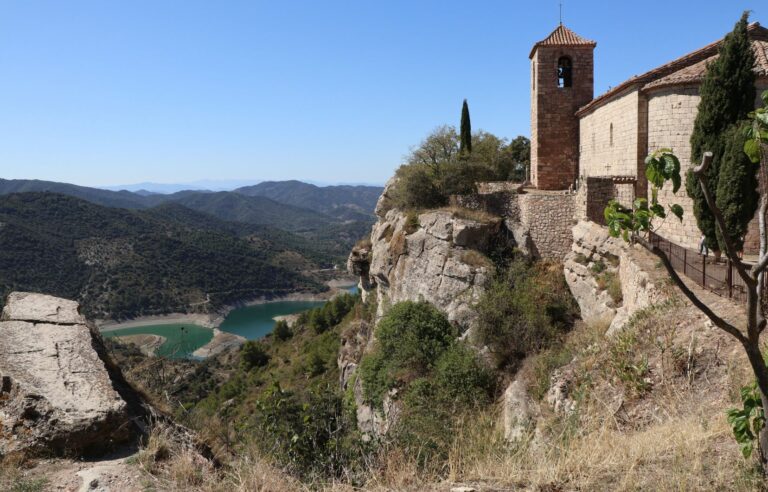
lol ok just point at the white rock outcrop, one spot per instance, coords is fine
(55, 392)
(438, 260)
(518, 412)
(641, 283)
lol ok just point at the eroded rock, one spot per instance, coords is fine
(56, 393)
(519, 412)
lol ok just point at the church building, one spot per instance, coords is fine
(597, 146)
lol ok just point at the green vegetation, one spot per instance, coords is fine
(747, 421)
(727, 97)
(282, 331)
(409, 339)
(526, 307)
(465, 145)
(736, 195)
(437, 379)
(329, 314)
(638, 222)
(437, 168)
(253, 354)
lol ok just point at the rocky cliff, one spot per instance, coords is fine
(610, 279)
(56, 393)
(438, 256)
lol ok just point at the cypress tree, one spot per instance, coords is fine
(737, 196)
(727, 96)
(465, 144)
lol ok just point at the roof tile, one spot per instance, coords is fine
(687, 69)
(562, 36)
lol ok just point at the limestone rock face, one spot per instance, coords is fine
(55, 392)
(437, 257)
(430, 261)
(641, 283)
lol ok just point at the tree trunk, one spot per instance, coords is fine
(761, 374)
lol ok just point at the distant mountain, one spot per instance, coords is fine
(258, 210)
(121, 263)
(343, 202)
(122, 199)
(333, 217)
(167, 188)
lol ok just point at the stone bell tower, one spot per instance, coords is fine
(562, 81)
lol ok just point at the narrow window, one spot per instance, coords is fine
(564, 70)
(611, 134)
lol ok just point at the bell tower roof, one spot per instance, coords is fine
(562, 36)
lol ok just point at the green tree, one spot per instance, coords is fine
(736, 194)
(409, 339)
(465, 146)
(253, 354)
(519, 151)
(727, 96)
(282, 331)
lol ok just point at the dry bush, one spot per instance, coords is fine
(471, 214)
(398, 245)
(476, 259)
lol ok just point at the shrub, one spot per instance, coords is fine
(409, 340)
(412, 222)
(598, 266)
(627, 364)
(526, 308)
(253, 354)
(301, 435)
(581, 259)
(476, 259)
(282, 331)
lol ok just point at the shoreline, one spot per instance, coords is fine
(214, 320)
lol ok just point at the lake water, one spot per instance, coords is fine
(181, 339)
(251, 322)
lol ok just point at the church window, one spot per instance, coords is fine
(564, 72)
(611, 134)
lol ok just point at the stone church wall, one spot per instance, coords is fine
(609, 138)
(671, 113)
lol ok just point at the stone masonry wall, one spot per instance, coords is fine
(554, 125)
(672, 112)
(609, 138)
(549, 218)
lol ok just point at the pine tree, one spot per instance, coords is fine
(727, 96)
(737, 196)
(465, 145)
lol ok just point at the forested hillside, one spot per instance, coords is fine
(331, 218)
(344, 202)
(121, 263)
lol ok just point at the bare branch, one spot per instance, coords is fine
(700, 173)
(717, 320)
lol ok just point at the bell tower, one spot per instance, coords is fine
(562, 81)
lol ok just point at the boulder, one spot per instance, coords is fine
(56, 394)
(519, 412)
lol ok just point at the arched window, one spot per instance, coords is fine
(611, 134)
(564, 70)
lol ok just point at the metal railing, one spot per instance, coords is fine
(716, 275)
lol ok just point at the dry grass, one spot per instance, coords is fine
(470, 214)
(672, 436)
(476, 259)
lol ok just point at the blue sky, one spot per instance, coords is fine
(109, 92)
